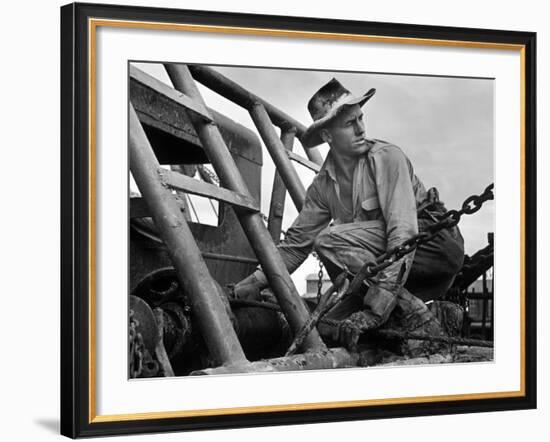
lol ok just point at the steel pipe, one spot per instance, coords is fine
(278, 192)
(328, 359)
(193, 275)
(277, 151)
(239, 95)
(273, 265)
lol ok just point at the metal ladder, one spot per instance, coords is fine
(156, 185)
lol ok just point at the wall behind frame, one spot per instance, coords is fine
(30, 221)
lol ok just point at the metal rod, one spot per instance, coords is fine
(205, 294)
(273, 265)
(160, 350)
(182, 197)
(178, 181)
(333, 358)
(239, 95)
(277, 151)
(422, 337)
(485, 305)
(328, 300)
(493, 304)
(194, 210)
(167, 92)
(304, 162)
(278, 193)
(223, 257)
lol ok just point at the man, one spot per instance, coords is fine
(365, 201)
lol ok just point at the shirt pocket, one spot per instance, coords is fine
(371, 206)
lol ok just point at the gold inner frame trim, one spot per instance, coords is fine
(92, 27)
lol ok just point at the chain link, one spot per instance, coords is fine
(449, 219)
(320, 275)
(136, 348)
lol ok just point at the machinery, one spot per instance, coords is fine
(182, 320)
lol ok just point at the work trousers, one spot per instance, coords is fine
(432, 273)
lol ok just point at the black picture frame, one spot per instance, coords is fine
(77, 418)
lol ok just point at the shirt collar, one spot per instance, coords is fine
(328, 166)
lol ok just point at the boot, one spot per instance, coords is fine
(449, 315)
(413, 316)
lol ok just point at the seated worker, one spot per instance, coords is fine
(365, 201)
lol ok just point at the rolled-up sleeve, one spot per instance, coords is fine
(393, 176)
(299, 238)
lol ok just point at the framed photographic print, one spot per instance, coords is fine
(274, 220)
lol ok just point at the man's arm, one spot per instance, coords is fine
(298, 241)
(299, 238)
(393, 176)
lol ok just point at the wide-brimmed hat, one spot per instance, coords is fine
(325, 105)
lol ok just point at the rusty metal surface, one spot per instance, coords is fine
(171, 133)
(262, 332)
(205, 293)
(236, 93)
(329, 299)
(301, 160)
(225, 247)
(474, 267)
(145, 322)
(168, 93)
(160, 350)
(327, 359)
(293, 306)
(186, 184)
(175, 141)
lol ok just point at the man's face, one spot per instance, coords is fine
(346, 132)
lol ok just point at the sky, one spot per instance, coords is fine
(444, 125)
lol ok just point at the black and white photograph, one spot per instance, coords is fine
(289, 220)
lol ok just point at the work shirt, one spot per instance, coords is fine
(385, 192)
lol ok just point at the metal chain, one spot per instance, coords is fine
(135, 349)
(320, 279)
(384, 333)
(449, 219)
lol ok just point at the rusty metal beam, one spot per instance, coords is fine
(299, 159)
(193, 275)
(328, 359)
(239, 95)
(273, 265)
(278, 192)
(161, 88)
(139, 208)
(178, 181)
(277, 151)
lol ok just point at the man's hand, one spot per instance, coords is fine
(250, 287)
